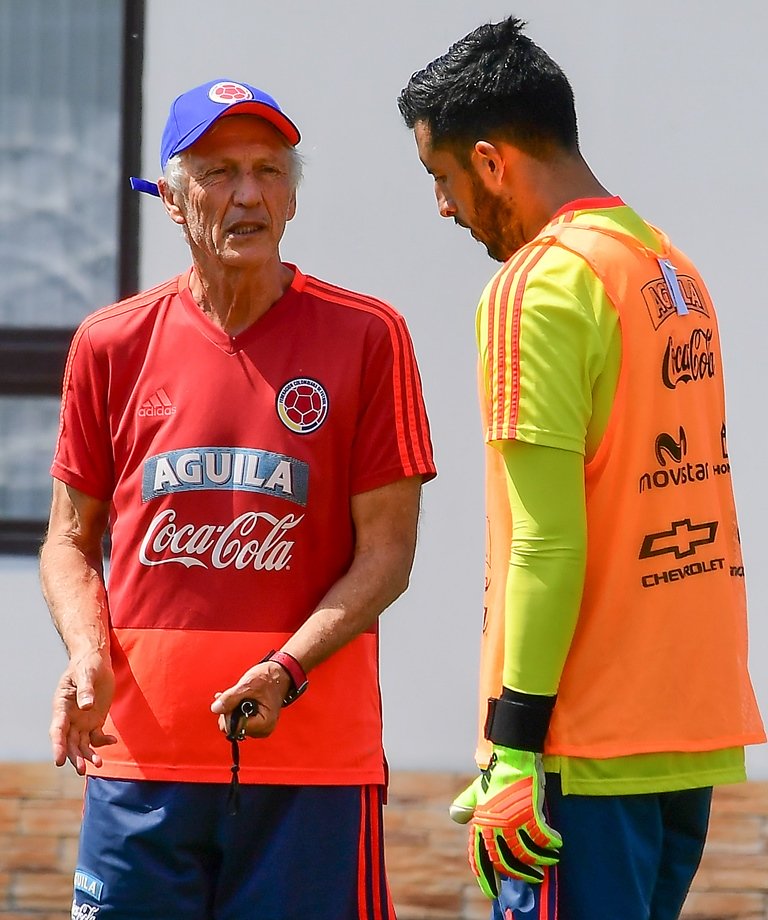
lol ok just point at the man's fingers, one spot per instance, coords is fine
(545, 850)
(79, 748)
(518, 864)
(59, 751)
(74, 753)
(99, 739)
(63, 736)
(220, 703)
(481, 864)
(58, 735)
(517, 855)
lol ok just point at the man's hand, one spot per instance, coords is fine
(509, 835)
(267, 684)
(81, 702)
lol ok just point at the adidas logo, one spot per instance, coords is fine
(157, 404)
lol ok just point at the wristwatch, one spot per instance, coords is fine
(299, 682)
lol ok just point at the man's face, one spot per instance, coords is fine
(240, 192)
(461, 195)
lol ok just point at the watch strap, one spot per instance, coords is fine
(293, 668)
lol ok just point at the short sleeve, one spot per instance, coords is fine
(392, 439)
(83, 455)
(543, 346)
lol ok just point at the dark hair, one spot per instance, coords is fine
(493, 82)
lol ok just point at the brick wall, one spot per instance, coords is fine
(40, 811)
(40, 808)
(431, 881)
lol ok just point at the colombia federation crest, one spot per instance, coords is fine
(302, 405)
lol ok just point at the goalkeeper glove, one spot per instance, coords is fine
(509, 834)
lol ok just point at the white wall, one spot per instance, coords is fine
(668, 94)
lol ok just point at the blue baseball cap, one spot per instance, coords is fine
(194, 112)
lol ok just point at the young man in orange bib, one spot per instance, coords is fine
(615, 633)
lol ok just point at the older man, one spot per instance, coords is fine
(255, 441)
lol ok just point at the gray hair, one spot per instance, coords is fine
(175, 173)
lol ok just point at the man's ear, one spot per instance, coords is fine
(292, 207)
(168, 198)
(489, 163)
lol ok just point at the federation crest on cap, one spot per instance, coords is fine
(226, 93)
(302, 405)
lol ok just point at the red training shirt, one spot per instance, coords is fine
(229, 463)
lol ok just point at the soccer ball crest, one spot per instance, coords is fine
(302, 405)
(227, 93)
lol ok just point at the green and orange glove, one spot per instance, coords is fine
(509, 834)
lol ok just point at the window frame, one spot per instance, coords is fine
(32, 358)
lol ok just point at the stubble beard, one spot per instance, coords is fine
(495, 223)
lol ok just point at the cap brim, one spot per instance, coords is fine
(247, 107)
(144, 185)
(251, 107)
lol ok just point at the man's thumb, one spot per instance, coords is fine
(463, 806)
(85, 695)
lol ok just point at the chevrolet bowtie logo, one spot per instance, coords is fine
(681, 540)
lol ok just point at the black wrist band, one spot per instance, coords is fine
(519, 720)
